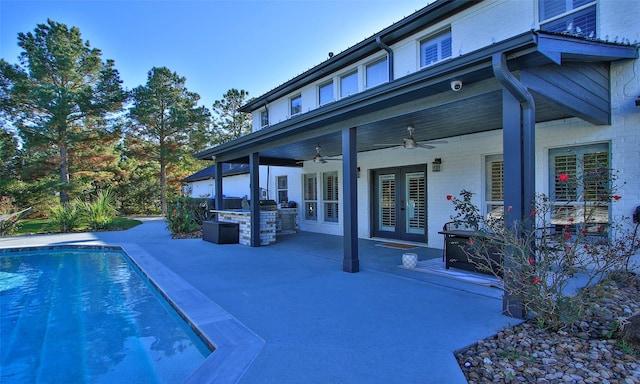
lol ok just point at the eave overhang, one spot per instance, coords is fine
(528, 50)
(419, 20)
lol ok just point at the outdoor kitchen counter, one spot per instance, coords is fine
(243, 219)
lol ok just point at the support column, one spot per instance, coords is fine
(218, 181)
(254, 188)
(518, 134)
(350, 262)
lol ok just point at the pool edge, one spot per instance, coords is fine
(235, 345)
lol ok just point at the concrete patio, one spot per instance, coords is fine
(286, 313)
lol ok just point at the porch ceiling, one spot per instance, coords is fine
(425, 100)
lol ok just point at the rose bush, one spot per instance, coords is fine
(552, 269)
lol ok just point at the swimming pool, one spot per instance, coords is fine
(87, 315)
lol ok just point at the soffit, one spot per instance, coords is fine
(423, 99)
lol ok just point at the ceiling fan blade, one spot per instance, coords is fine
(433, 142)
(426, 146)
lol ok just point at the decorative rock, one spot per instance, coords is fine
(572, 355)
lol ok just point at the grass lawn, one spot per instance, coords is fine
(32, 226)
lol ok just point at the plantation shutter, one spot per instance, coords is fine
(416, 209)
(387, 193)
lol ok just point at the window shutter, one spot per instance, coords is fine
(497, 180)
(565, 164)
(596, 176)
(445, 47)
(387, 192)
(430, 54)
(416, 189)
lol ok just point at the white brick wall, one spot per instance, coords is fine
(462, 157)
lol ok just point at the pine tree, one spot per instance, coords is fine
(60, 85)
(166, 115)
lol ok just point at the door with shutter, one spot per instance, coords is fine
(399, 203)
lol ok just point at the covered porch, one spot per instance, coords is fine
(510, 86)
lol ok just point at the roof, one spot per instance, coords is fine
(228, 169)
(430, 14)
(424, 99)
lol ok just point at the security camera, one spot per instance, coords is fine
(456, 85)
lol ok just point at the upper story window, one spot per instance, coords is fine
(264, 118)
(295, 105)
(377, 73)
(576, 17)
(349, 84)
(435, 48)
(325, 93)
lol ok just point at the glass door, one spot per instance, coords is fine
(399, 203)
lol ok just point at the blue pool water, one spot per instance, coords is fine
(71, 316)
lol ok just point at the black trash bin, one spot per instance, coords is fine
(220, 232)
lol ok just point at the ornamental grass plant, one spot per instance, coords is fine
(65, 216)
(100, 212)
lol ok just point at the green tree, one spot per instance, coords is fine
(9, 155)
(59, 92)
(166, 115)
(228, 122)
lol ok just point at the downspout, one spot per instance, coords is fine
(390, 55)
(527, 138)
(512, 305)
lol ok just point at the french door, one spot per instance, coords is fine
(399, 203)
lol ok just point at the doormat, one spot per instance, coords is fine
(397, 245)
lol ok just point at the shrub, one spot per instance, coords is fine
(549, 266)
(100, 213)
(183, 217)
(65, 216)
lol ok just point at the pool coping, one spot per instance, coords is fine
(235, 346)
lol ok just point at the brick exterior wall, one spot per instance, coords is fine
(243, 218)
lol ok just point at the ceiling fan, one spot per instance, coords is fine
(318, 158)
(411, 143)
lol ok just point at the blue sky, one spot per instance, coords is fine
(216, 44)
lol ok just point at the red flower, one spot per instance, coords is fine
(567, 235)
(534, 212)
(584, 232)
(563, 177)
(616, 197)
(532, 260)
(509, 208)
(600, 228)
(571, 219)
(470, 242)
(536, 280)
(449, 197)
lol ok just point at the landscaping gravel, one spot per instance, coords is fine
(590, 352)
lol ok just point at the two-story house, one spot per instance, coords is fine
(495, 97)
